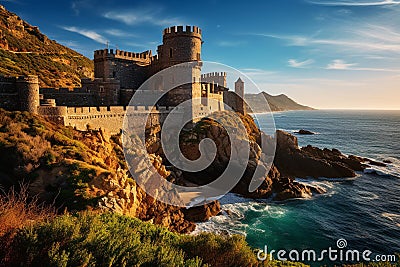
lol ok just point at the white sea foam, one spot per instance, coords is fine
(390, 170)
(234, 212)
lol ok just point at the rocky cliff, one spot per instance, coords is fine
(290, 160)
(83, 170)
(274, 184)
(24, 50)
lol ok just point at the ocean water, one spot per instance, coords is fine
(365, 211)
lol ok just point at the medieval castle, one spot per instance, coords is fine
(101, 102)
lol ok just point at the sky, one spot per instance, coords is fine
(333, 54)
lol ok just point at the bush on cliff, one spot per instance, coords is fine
(113, 240)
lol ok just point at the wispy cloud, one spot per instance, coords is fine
(366, 40)
(356, 3)
(300, 64)
(339, 64)
(139, 16)
(87, 33)
(119, 33)
(253, 72)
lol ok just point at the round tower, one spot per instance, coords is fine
(28, 91)
(180, 45)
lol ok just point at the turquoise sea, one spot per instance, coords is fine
(365, 211)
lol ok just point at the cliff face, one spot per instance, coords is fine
(276, 103)
(290, 160)
(83, 170)
(273, 184)
(25, 50)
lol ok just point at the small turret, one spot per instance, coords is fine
(28, 91)
(239, 90)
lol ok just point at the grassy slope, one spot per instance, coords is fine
(31, 146)
(25, 50)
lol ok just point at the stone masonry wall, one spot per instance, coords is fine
(110, 119)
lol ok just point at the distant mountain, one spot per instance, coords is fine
(276, 103)
(25, 50)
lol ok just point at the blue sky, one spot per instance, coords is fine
(327, 54)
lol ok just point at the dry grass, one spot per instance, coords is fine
(18, 210)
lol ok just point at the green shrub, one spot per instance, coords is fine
(98, 240)
(113, 240)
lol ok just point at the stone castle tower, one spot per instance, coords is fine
(182, 45)
(28, 91)
(118, 74)
(239, 90)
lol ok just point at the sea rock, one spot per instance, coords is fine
(202, 213)
(305, 132)
(293, 161)
(287, 188)
(376, 163)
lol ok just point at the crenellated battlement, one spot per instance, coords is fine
(117, 110)
(193, 31)
(218, 78)
(213, 74)
(104, 53)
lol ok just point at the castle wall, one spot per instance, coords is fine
(230, 99)
(106, 91)
(215, 102)
(8, 93)
(83, 118)
(54, 114)
(9, 101)
(218, 78)
(64, 97)
(127, 67)
(110, 119)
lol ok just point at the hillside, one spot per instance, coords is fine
(25, 50)
(276, 103)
